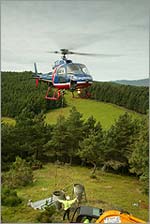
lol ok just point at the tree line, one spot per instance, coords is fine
(131, 97)
(18, 91)
(122, 149)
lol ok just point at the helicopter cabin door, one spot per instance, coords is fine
(61, 75)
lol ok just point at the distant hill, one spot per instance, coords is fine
(140, 82)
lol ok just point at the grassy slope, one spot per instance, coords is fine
(108, 191)
(8, 120)
(106, 113)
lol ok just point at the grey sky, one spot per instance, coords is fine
(119, 29)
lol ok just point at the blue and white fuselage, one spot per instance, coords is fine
(67, 75)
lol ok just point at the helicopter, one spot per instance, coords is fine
(65, 75)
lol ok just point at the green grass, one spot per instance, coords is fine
(106, 113)
(8, 120)
(107, 191)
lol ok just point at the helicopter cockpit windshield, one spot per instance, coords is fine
(77, 69)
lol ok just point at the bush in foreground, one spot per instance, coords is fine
(9, 197)
(46, 216)
(19, 175)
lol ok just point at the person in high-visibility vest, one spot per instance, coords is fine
(86, 220)
(67, 206)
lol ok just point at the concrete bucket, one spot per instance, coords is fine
(58, 195)
(79, 191)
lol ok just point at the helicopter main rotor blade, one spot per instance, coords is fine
(95, 54)
(66, 51)
(54, 52)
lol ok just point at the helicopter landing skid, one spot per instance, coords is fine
(56, 95)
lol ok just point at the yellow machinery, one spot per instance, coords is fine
(97, 215)
(115, 216)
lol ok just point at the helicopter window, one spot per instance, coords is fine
(61, 74)
(73, 68)
(84, 69)
(61, 71)
(77, 68)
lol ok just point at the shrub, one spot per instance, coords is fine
(9, 197)
(19, 175)
(46, 216)
(36, 164)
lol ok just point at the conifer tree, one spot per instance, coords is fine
(139, 160)
(119, 140)
(91, 149)
(56, 147)
(75, 132)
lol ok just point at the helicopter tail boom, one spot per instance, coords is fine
(36, 75)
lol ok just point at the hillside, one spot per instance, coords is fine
(19, 92)
(140, 82)
(106, 113)
(102, 192)
(74, 141)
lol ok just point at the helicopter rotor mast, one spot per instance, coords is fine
(64, 52)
